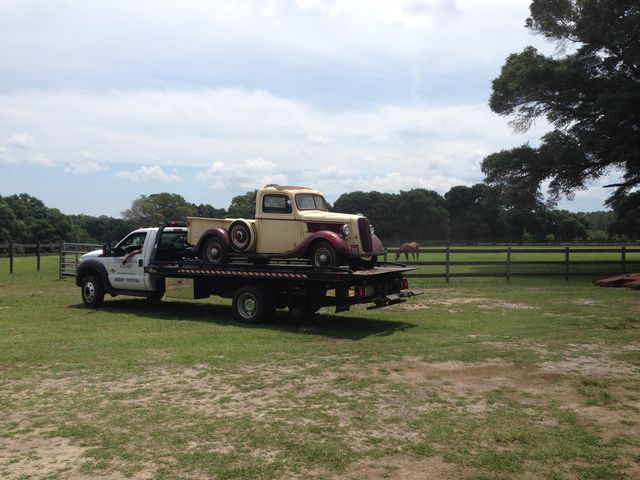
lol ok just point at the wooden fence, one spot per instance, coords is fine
(565, 264)
(505, 267)
(12, 250)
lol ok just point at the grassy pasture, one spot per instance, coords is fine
(478, 379)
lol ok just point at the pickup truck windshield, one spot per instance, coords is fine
(309, 201)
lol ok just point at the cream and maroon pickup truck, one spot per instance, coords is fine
(289, 222)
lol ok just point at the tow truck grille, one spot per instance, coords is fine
(365, 233)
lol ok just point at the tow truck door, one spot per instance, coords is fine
(131, 276)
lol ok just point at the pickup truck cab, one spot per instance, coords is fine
(289, 222)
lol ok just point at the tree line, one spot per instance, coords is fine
(475, 213)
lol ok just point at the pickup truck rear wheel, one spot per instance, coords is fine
(253, 304)
(92, 291)
(324, 255)
(214, 250)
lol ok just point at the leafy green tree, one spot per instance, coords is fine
(243, 206)
(589, 93)
(598, 223)
(35, 222)
(626, 221)
(7, 222)
(379, 208)
(102, 229)
(150, 210)
(422, 215)
(208, 211)
(566, 226)
(475, 213)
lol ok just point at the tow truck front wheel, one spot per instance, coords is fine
(253, 304)
(92, 291)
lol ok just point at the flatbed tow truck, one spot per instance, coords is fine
(164, 266)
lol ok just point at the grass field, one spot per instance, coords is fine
(478, 379)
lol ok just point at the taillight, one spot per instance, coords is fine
(405, 284)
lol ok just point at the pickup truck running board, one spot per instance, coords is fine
(392, 299)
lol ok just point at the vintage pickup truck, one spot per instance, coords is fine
(289, 222)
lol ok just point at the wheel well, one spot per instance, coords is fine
(311, 246)
(86, 272)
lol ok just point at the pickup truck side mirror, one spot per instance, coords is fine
(106, 249)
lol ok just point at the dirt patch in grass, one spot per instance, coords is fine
(35, 455)
(480, 302)
(405, 468)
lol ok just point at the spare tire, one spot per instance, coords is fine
(241, 236)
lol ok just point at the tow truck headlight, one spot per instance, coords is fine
(346, 231)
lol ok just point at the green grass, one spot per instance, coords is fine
(537, 377)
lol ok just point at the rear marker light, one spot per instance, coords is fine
(405, 284)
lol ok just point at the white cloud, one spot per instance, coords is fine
(247, 174)
(318, 139)
(41, 159)
(84, 167)
(21, 141)
(5, 157)
(146, 174)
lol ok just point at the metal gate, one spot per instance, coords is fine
(69, 255)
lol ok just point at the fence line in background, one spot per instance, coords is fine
(69, 253)
(508, 263)
(37, 248)
(478, 243)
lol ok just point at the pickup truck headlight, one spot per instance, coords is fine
(373, 230)
(346, 231)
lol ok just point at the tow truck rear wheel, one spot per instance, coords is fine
(92, 291)
(253, 304)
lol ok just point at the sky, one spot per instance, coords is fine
(101, 102)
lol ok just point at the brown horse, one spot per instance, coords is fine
(409, 248)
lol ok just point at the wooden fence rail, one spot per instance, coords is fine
(619, 266)
(12, 250)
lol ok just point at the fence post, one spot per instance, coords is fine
(508, 264)
(447, 265)
(11, 257)
(61, 257)
(566, 264)
(385, 256)
(623, 259)
(38, 254)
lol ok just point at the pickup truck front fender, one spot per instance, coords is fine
(92, 266)
(337, 241)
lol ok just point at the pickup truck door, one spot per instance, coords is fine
(130, 276)
(278, 229)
